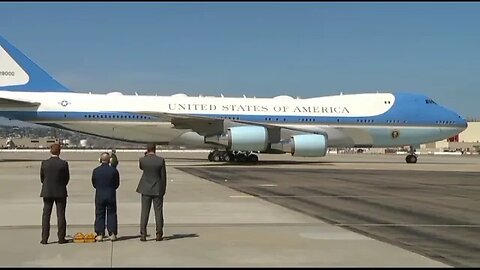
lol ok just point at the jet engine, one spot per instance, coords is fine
(242, 138)
(309, 145)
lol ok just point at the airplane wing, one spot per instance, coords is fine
(7, 103)
(205, 126)
(209, 125)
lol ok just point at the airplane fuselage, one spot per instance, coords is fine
(367, 120)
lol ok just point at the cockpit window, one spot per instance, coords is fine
(429, 101)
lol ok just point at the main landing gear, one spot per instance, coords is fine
(411, 158)
(232, 156)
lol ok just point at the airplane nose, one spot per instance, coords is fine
(461, 122)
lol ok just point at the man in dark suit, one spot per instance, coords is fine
(106, 180)
(152, 186)
(54, 175)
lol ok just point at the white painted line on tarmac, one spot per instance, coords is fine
(267, 185)
(410, 225)
(241, 196)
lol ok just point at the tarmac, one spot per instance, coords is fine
(283, 211)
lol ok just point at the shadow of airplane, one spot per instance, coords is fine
(19, 160)
(257, 164)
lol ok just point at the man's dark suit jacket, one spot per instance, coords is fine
(54, 175)
(105, 179)
(154, 177)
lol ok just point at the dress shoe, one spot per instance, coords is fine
(62, 241)
(99, 238)
(143, 238)
(43, 242)
(159, 237)
(113, 237)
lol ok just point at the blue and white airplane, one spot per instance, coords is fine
(235, 128)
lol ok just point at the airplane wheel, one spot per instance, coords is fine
(227, 157)
(241, 158)
(253, 158)
(210, 156)
(411, 159)
(216, 157)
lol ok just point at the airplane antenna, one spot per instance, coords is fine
(221, 95)
(244, 96)
(136, 94)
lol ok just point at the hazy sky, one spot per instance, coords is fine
(261, 49)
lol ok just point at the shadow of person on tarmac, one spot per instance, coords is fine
(165, 238)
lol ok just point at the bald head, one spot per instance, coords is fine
(105, 157)
(55, 149)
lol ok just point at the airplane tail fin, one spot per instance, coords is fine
(19, 73)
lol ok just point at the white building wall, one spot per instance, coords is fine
(471, 134)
